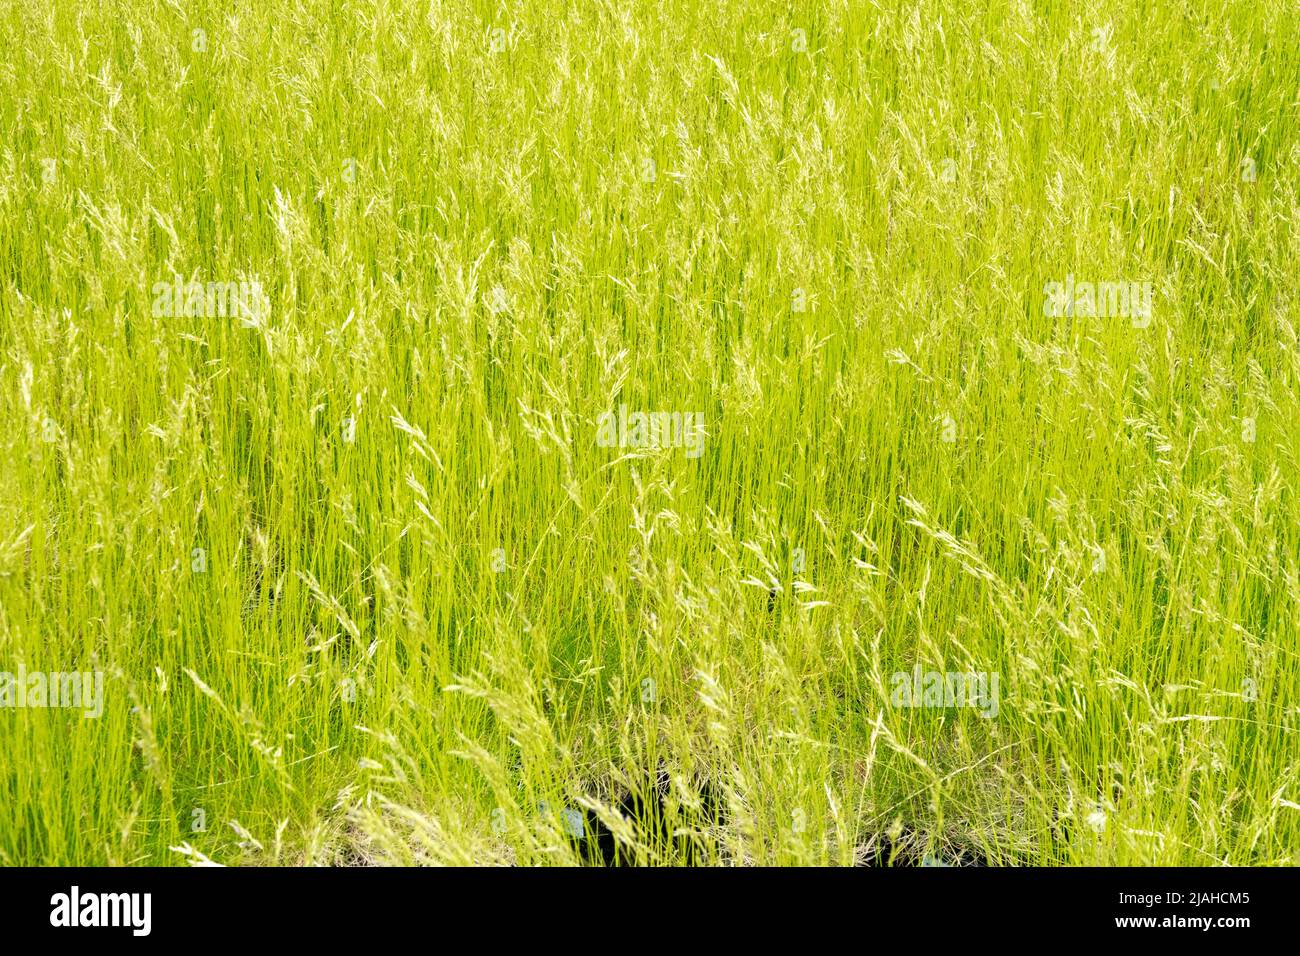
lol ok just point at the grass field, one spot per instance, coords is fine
(429, 426)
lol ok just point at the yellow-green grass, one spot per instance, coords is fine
(476, 229)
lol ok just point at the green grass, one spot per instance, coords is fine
(473, 244)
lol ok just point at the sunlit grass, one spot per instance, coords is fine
(364, 584)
